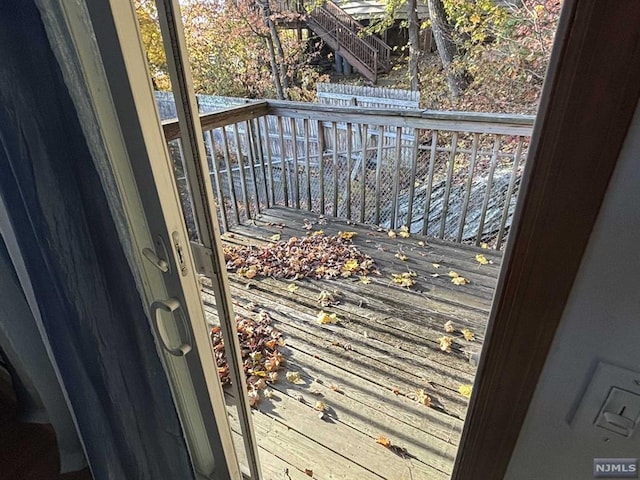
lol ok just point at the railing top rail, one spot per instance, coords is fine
(412, 118)
(220, 118)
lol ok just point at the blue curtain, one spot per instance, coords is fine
(64, 245)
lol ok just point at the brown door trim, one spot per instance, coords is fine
(591, 92)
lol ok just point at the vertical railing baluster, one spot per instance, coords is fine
(379, 173)
(507, 201)
(294, 152)
(321, 163)
(432, 165)
(447, 189)
(283, 163)
(485, 204)
(469, 186)
(396, 179)
(208, 137)
(348, 169)
(232, 186)
(260, 148)
(307, 161)
(267, 137)
(334, 210)
(412, 177)
(243, 180)
(252, 162)
(363, 183)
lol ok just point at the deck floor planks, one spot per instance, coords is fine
(391, 334)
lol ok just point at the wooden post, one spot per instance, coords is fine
(469, 186)
(485, 205)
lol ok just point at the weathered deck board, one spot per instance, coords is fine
(383, 350)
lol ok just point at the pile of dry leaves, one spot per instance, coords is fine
(315, 256)
(259, 344)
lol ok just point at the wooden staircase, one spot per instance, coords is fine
(367, 53)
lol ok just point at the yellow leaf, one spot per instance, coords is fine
(350, 265)
(401, 256)
(324, 317)
(391, 233)
(320, 406)
(459, 280)
(292, 287)
(404, 279)
(248, 272)
(384, 441)
(465, 390)
(364, 279)
(347, 235)
(317, 233)
(484, 245)
(423, 398)
(445, 343)
(453, 274)
(275, 237)
(294, 377)
(404, 232)
(448, 327)
(475, 18)
(468, 334)
(482, 260)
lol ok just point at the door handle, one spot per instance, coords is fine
(171, 305)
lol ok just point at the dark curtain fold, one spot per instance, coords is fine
(83, 290)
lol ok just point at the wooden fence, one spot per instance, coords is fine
(449, 175)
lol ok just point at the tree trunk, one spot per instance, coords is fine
(414, 43)
(457, 79)
(273, 42)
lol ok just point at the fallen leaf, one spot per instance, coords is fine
(275, 238)
(364, 279)
(396, 391)
(269, 394)
(459, 280)
(384, 441)
(435, 265)
(421, 243)
(453, 274)
(481, 259)
(292, 287)
(448, 327)
(391, 234)
(484, 245)
(465, 390)
(404, 279)
(445, 343)
(320, 406)
(294, 377)
(309, 472)
(324, 317)
(404, 232)
(317, 233)
(326, 298)
(423, 398)
(335, 388)
(468, 334)
(347, 235)
(254, 398)
(401, 256)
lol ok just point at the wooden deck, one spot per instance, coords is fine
(368, 368)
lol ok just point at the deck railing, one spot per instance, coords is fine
(449, 175)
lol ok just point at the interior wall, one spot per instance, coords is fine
(601, 322)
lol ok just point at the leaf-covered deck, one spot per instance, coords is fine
(369, 367)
